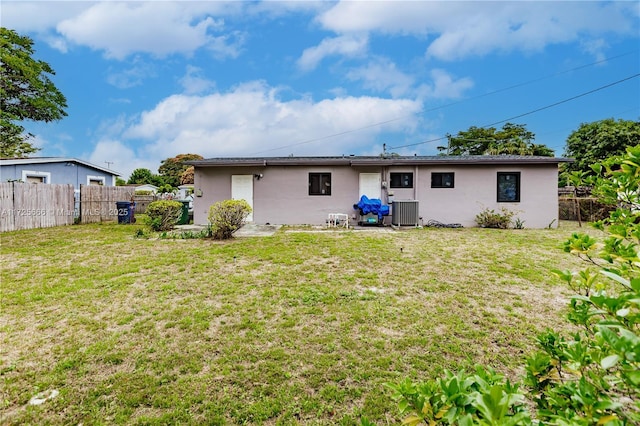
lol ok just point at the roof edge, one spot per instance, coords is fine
(44, 160)
(375, 161)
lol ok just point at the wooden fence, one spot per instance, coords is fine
(98, 203)
(590, 209)
(142, 201)
(29, 206)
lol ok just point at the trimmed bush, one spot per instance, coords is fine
(227, 216)
(163, 214)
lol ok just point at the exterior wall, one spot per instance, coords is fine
(475, 189)
(281, 195)
(60, 173)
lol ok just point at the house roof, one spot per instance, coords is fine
(45, 160)
(377, 160)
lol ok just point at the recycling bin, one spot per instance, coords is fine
(184, 217)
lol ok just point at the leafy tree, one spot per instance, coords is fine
(120, 181)
(172, 168)
(596, 141)
(188, 176)
(167, 189)
(143, 176)
(26, 93)
(512, 139)
(590, 377)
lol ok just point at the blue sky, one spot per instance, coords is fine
(149, 80)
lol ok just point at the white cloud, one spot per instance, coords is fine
(252, 119)
(194, 81)
(382, 75)
(276, 9)
(444, 86)
(347, 45)
(158, 28)
(462, 29)
(409, 17)
(450, 30)
(596, 47)
(132, 76)
(38, 16)
(121, 158)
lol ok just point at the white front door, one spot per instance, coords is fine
(242, 189)
(370, 185)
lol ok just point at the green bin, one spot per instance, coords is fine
(184, 217)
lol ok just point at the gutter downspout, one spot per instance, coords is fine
(415, 183)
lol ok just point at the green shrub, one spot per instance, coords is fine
(590, 377)
(163, 214)
(489, 218)
(227, 216)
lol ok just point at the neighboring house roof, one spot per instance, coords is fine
(378, 161)
(46, 160)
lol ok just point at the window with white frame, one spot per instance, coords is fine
(30, 176)
(95, 180)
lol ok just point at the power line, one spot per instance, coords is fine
(308, 141)
(565, 100)
(530, 112)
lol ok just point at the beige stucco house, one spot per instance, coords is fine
(447, 189)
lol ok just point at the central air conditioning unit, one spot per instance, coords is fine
(405, 213)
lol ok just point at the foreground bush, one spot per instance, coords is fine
(589, 378)
(163, 214)
(227, 216)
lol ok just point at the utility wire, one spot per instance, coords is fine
(308, 141)
(529, 112)
(565, 100)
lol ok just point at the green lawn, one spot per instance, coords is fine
(298, 328)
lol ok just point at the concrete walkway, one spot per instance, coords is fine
(248, 230)
(253, 230)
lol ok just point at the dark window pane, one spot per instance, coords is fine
(508, 187)
(319, 183)
(401, 180)
(442, 180)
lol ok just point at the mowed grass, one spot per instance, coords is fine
(298, 328)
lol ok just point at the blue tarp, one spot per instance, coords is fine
(375, 206)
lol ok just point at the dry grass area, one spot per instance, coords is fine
(297, 328)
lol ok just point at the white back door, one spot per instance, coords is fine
(370, 185)
(242, 189)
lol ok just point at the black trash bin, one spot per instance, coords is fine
(124, 211)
